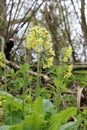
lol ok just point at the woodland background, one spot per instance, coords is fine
(65, 19)
(62, 103)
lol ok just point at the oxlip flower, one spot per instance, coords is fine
(39, 40)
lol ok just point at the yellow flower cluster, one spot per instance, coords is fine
(68, 52)
(69, 71)
(39, 39)
(2, 60)
(49, 62)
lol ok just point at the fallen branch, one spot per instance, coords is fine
(44, 76)
(17, 67)
(80, 66)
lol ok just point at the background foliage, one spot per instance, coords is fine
(33, 96)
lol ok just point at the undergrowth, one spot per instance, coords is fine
(28, 103)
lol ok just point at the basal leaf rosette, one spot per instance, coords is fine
(2, 60)
(39, 40)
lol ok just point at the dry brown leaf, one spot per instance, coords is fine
(79, 93)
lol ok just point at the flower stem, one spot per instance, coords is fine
(23, 107)
(38, 76)
(5, 72)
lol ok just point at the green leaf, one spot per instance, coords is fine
(34, 121)
(12, 72)
(17, 127)
(57, 83)
(3, 93)
(17, 117)
(13, 127)
(48, 106)
(58, 119)
(12, 107)
(4, 127)
(70, 126)
(38, 106)
(11, 99)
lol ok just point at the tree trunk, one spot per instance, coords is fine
(83, 20)
(84, 26)
(2, 17)
(2, 23)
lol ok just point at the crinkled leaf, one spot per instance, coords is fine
(17, 117)
(38, 106)
(70, 126)
(5, 93)
(58, 119)
(48, 106)
(11, 100)
(4, 127)
(17, 127)
(13, 127)
(34, 121)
